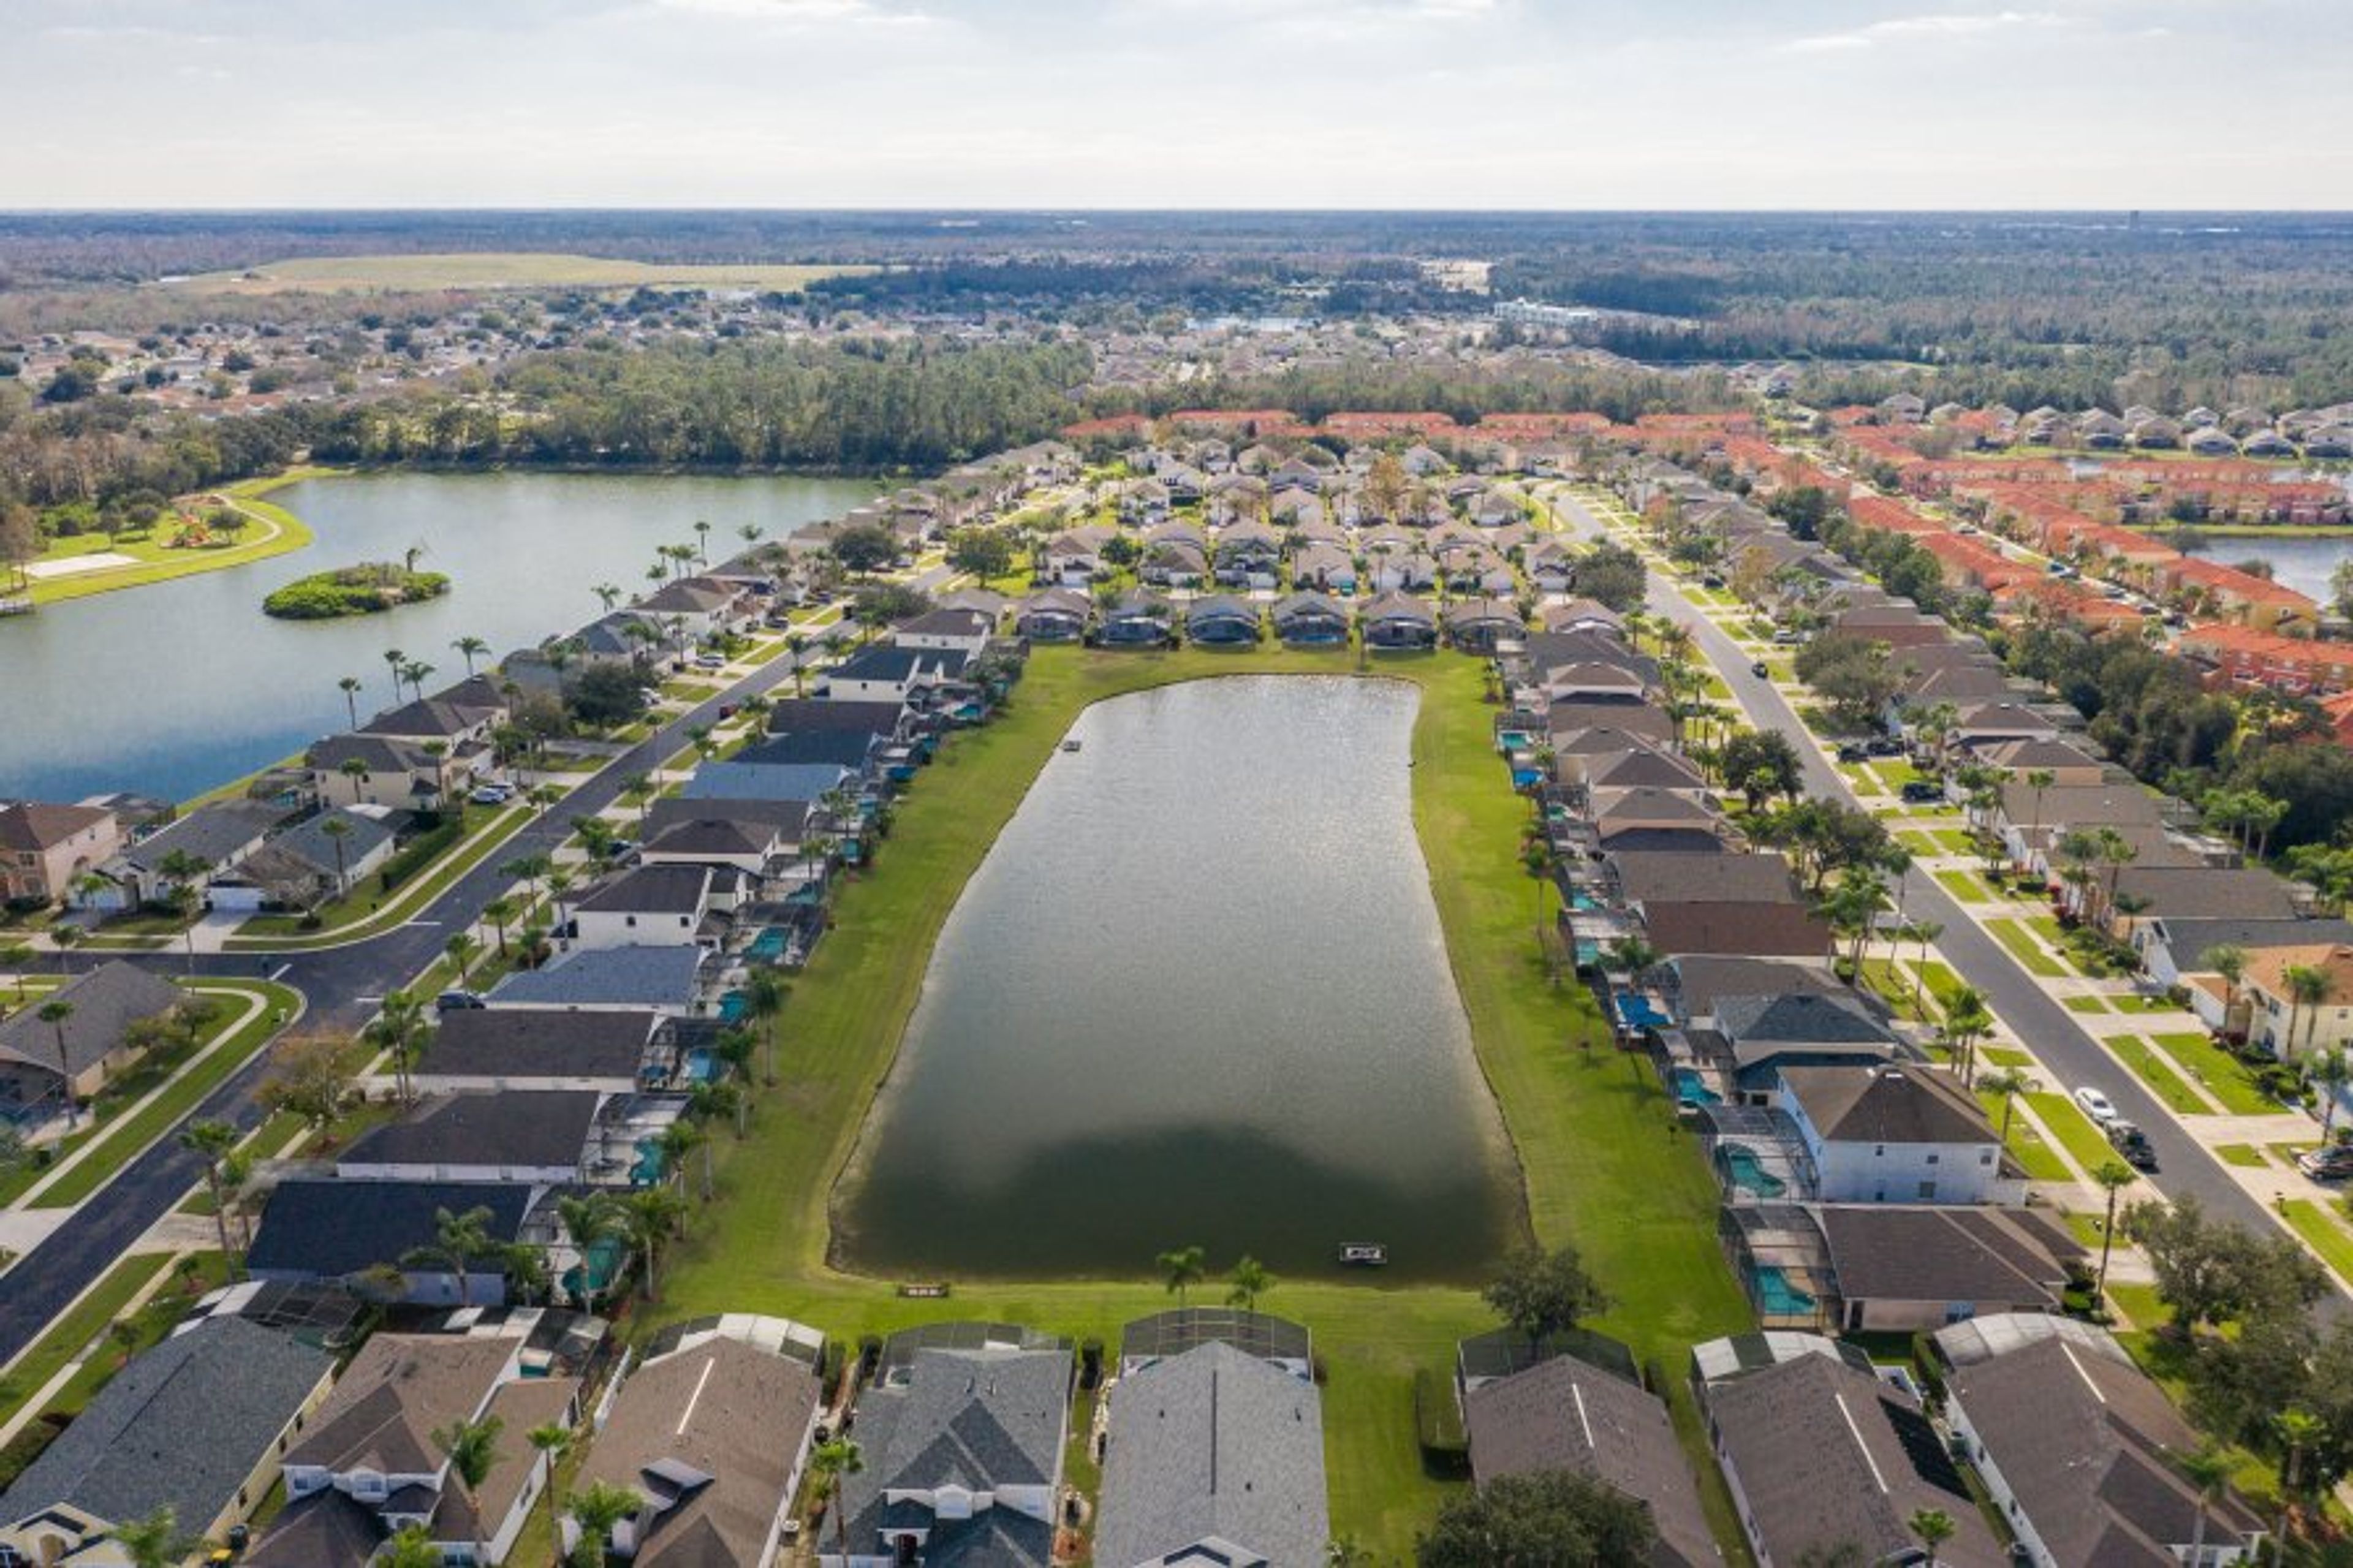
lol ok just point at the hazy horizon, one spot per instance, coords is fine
(1542, 106)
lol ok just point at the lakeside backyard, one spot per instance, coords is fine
(1601, 1165)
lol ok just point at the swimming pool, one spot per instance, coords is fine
(1636, 1012)
(1747, 1172)
(1691, 1090)
(1776, 1296)
(768, 946)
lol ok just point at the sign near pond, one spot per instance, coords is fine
(1196, 996)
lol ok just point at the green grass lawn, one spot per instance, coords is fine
(121, 1140)
(2223, 1075)
(2024, 948)
(2084, 1003)
(1591, 1129)
(2154, 1070)
(76, 1326)
(269, 531)
(2003, 1055)
(2285, 1153)
(2073, 1129)
(2133, 1002)
(1956, 840)
(1964, 885)
(2323, 1231)
(2245, 1155)
(2027, 1145)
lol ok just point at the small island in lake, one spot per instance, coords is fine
(361, 590)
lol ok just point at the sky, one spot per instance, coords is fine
(1524, 104)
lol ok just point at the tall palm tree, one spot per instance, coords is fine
(214, 1139)
(764, 991)
(2229, 959)
(499, 912)
(2208, 1467)
(1926, 933)
(2006, 1084)
(53, 1013)
(350, 685)
(2330, 1072)
(2307, 988)
(2037, 780)
(653, 1216)
(551, 1440)
(181, 872)
(415, 672)
(832, 1464)
(460, 1240)
(470, 648)
(1966, 1019)
(2112, 1176)
(398, 1031)
(17, 958)
(1248, 1282)
(462, 947)
(588, 1221)
(608, 595)
(396, 658)
(1183, 1267)
(678, 1141)
(337, 829)
(472, 1450)
(1933, 1526)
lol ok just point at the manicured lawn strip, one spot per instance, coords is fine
(2023, 947)
(1964, 885)
(2004, 1057)
(2322, 1233)
(410, 896)
(271, 530)
(2285, 1153)
(121, 1141)
(2027, 1145)
(76, 1326)
(2084, 1003)
(1588, 1127)
(2222, 1075)
(1956, 840)
(2073, 1129)
(2245, 1155)
(2162, 1080)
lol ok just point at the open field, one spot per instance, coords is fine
(1602, 1164)
(496, 270)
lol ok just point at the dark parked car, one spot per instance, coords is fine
(1884, 746)
(1851, 753)
(2133, 1144)
(1762, 670)
(1922, 790)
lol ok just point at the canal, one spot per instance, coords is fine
(175, 688)
(1196, 995)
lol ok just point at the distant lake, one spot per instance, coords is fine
(1197, 994)
(2303, 564)
(176, 687)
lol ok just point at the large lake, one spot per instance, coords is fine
(175, 688)
(2303, 564)
(1196, 995)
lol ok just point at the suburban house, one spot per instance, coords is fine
(1215, 1452)
(2277, 1021)
(2173, 948)
(960, 631)
(885, 672)
(1248, 554)
(2081, 1451)
(1139, 620)
(1311, 620)
(696, 608)
(659, 906)
(711, 1431)
(1481, 626)
(1220, 620)
(548, 1049)
(369, 1464)
(1325, 566)
(805, 783)
(195, 1425)
(312, 863)
(1903, 1269)
(43, 848)
(88, 1045)
(1074, 557)
(315, 1230)
(219, 836)
(638, 978)
(375, 770)
(1820, 1452)
(1903, 1132)
(1566, 1412)
(459, 719)
(963, 1430)
(547, 1138)
(1055, 616)
(1399, 622)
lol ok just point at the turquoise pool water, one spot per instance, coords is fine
(734, 1007)
(1636, 1012)
(1691, 1090)
(1747, 1172)
(768, 946)
(1776, 1295)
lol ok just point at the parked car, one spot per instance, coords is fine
(457, 1000)
(2096, 1105)
(1919, 791)
(1852, 751)
(1761, 670)
(2133, 1144)
(2332, 1163)
(1788, 637)
(1884, 746)
(710, 661)
(492, 794)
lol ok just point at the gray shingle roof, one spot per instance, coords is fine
(330, 1231)
(652, 890)
(1214, 1445)
(1899, 1103)
(1825, 1018)
(517, 1128)
(608, 977)
(1998, 1258)
(1565, 1415)
(183, 1424)
(105, 1002)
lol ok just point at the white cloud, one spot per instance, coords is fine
(1947, 25)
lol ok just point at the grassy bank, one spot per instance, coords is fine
(275, 532)
(1602, 1164)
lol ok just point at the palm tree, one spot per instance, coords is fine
(608, 595)
(414, 672)
(469, 648)
(396, 658)
(462, 947)
(1967, 1018)
(713, 1102)
(499, 912)
(181, 871)
(53, 1013)
(350, 684)
(397, 1030)
(356, 771)
(2329, 1074)
(587, 1222)
(459, 1241)
(2228, 960)
(2112, 1176)
(2307, 988)
(832, 1464)
(1182, 1268)
(551, 1440)
(1934, 1527)
(2008, 1084)
(764, 991)
(155, 1542)
(701, 541)
(2208, 1467)
(472, 1448)
(2037, 780)
(653, 1215)
(528, 869)
(337, 829)
(597, 1511)
(17, 958)
(678, 1141)
(214, 1139)
(1250, 1280)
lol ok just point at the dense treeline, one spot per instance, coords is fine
(1466, 391)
